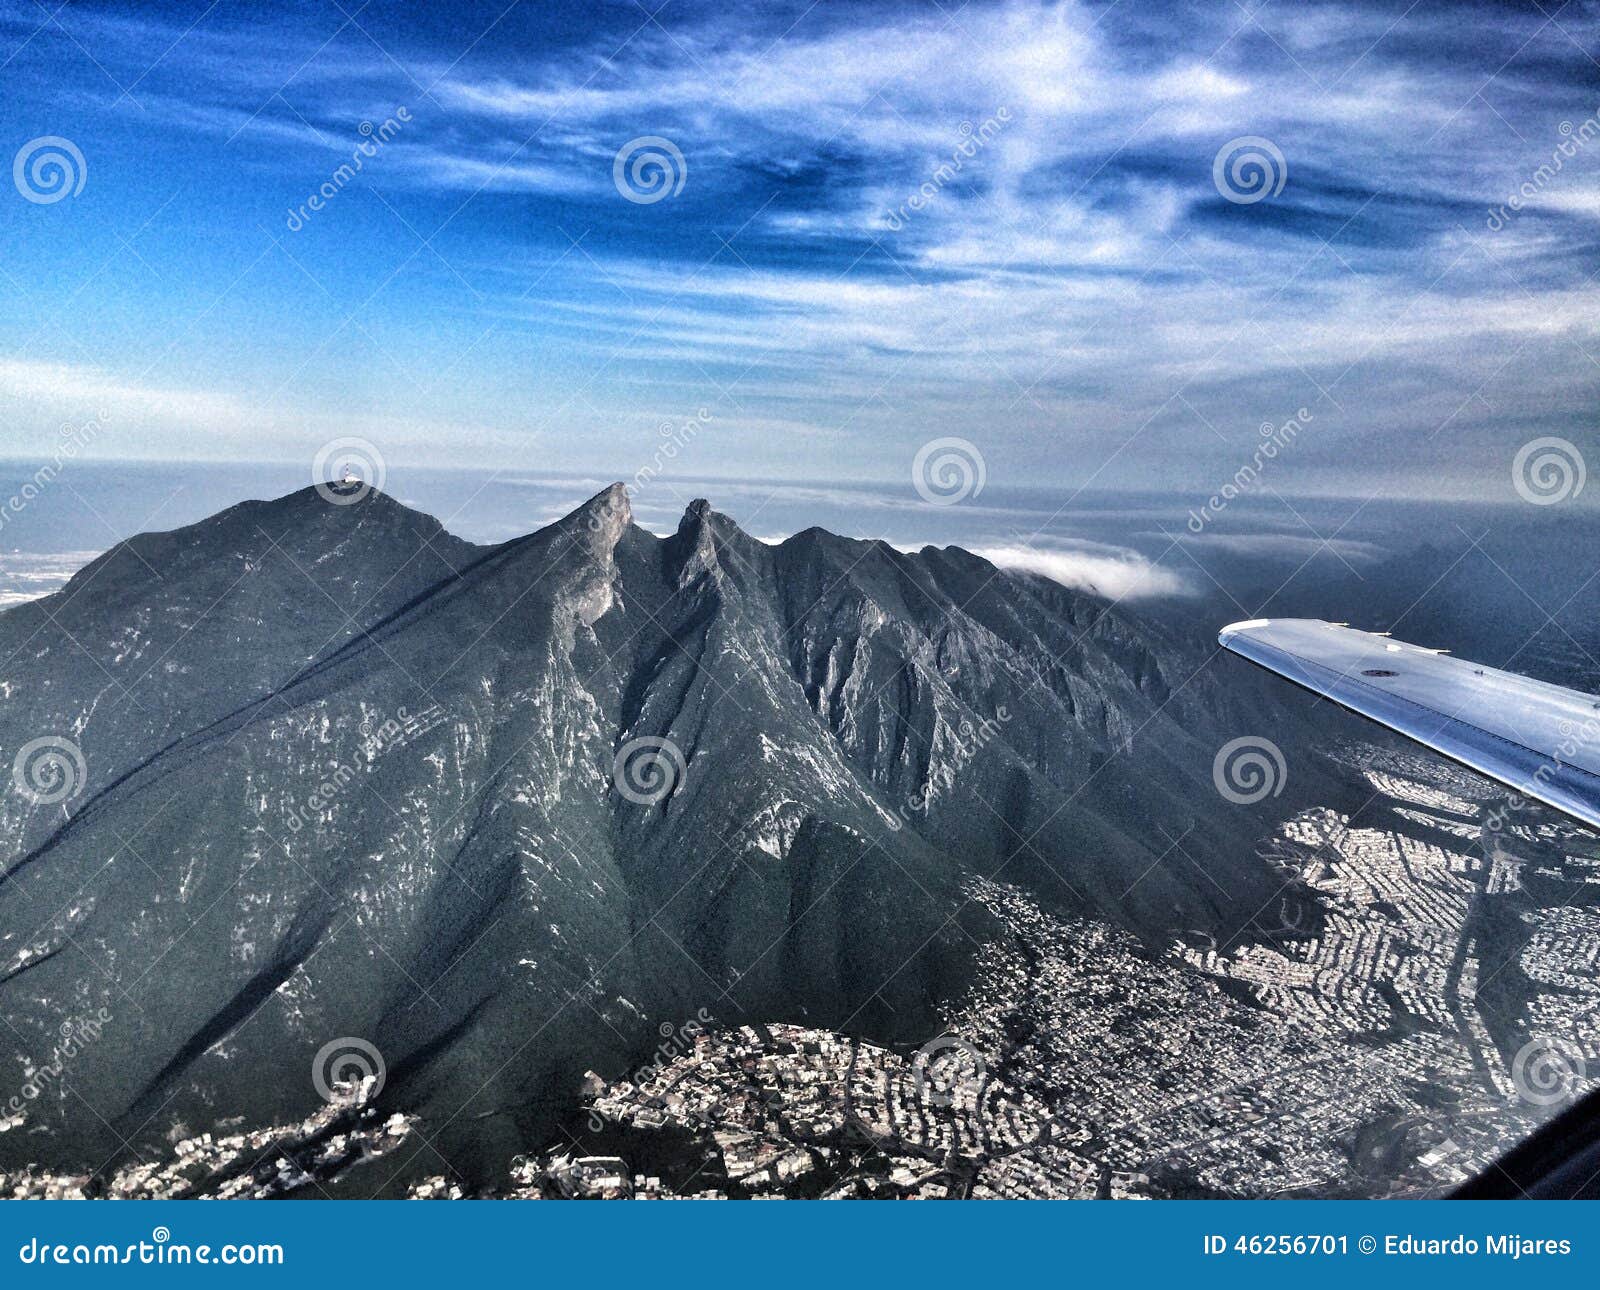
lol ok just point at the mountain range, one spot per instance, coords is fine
(315, 769)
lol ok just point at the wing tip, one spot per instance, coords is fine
(1232, 629)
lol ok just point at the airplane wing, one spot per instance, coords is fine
(1539, 739)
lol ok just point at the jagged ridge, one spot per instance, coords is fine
(350, 776)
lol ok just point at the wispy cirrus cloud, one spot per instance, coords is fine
(1076, 295)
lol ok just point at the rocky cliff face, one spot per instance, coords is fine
(322, 771)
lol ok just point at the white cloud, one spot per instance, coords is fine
(77, 389)
(1293, 545)
(1575, 201)
(1115, 573)
(141, 415)
(1053, 304)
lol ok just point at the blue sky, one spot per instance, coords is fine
(1078, 297)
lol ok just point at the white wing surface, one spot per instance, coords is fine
(1539, 739)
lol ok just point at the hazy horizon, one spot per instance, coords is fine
(1162, 552)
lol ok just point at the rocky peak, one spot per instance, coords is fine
(595, 528)
(711, 543)
(601, 521)
(697, 543)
